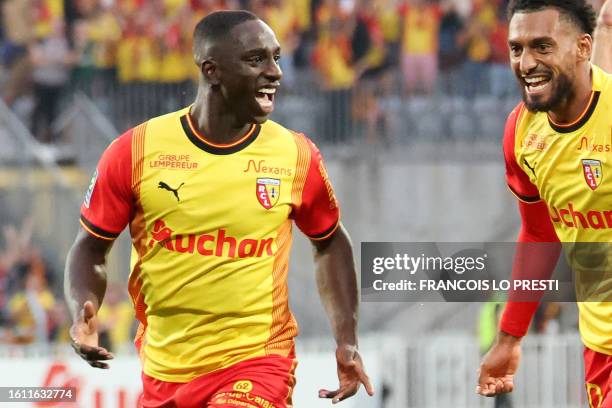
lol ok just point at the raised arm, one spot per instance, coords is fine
(337, 284)
(84, 288)
(602, 44)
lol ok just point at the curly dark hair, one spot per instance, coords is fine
(579, 12)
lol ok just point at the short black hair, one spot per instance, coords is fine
(580, 12)
(215, 26)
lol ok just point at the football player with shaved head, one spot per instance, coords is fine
(557, 151)
(210, 194)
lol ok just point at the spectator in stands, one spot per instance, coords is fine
(17, 28)
(480, 23)
(30, 307)
(372, 62)
(389, 21)
(97, 33)
(51, 60)
(419, 54)
(282, 17)
(502, 78)
(332, 60)
(451, 51)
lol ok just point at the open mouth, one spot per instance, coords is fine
(536, 84)
(265, 99)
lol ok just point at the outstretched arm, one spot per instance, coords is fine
(337, 283)
(84, 288)
(602, 38)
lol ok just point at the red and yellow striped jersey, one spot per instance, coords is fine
(569, 167)
(211, 232)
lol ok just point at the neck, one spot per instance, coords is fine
(211, 119)
(573, 106)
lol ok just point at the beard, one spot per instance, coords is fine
(562, 91)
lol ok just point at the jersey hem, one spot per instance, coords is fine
(187, 378)
(327, 233)
(595, 348)
(96, 231)
(524, 199)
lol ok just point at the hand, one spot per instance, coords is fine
(351, 375)
(84, 335)
(497, 369)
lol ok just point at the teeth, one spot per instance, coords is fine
(535, 80)
(531, 88)
(270, 91)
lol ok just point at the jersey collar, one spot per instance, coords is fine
(596, 77)
(582, 119)
(200, 141)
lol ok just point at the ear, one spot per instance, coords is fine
(585, 47)
(210, 72)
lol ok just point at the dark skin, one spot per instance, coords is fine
(541, 42)
(85, 285)
(230, 77)
(546, 44)
(232, 70)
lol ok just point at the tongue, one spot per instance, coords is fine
(264, 101)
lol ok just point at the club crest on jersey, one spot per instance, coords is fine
(592, 172)
(268, 192)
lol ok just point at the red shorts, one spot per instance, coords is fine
(598, 378)
(262, 382)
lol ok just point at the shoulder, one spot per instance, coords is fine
(161, 122)
(512, 123)
(274, 129)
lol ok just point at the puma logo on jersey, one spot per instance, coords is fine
(174, 191)
(530, 168)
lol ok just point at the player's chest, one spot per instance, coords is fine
(565, 167)
(205, 192)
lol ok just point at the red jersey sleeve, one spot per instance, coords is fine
(108, 203)
(316, 212)
(530, 262)
(517, 180)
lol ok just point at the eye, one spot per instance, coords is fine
(515, 50)
(257, 59)
(543, 48)
(277, 57)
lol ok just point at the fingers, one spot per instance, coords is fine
(327, 394)
(492, 386)
(363, 377)
(340, 394)
(368, 386)
(93, 355)
(351, 374)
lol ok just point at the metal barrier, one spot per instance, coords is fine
(373, 112)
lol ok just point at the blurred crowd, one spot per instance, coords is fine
(32, 309)
(373, 46)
